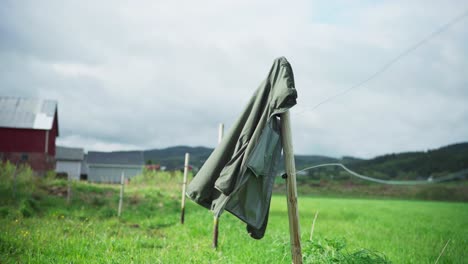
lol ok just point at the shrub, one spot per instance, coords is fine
(16, 182)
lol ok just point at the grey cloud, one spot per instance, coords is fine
(156, 74)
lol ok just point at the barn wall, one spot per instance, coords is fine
(111, 173)
(39, 162)
(72, 168)
(22, 140)
(53, 134)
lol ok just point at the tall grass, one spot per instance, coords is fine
(88, 230)
(17, 186)
(16, 181)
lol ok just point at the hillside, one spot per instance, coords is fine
(408, 165)
(173, 158)
(413, 165)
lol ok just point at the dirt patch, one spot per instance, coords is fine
(60, 191)
(135, 199)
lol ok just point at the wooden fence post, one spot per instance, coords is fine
(122, 181)
(291, 190)
(216, 218)
(184, 185)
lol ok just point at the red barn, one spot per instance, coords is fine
(28, 128)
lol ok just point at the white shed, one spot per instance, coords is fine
(107, 167)
(69, 161)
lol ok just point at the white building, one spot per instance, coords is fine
(107, 167)
(69, 161)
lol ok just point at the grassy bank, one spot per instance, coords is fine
(451, 191)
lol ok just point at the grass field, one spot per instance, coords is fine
(39, 227)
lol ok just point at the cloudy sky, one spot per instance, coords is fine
(149, 74)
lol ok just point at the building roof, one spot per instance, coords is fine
(115, 158)
(29, 113)
(64, 153)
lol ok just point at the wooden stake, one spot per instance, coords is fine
(184, 185)
(122, 181)
(215, 232)
(291, 190)
(216, 218)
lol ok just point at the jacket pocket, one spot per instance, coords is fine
(228, 176)
(261, 159)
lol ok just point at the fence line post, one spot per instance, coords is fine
(122, 180)
(291, 189)
(184, 185)
(216, 218)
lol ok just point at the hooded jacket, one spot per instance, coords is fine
(239, 174)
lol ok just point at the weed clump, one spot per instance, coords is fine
(334, 251)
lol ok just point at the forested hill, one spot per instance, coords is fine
(173, 158)
(412, 165)
(408, 165)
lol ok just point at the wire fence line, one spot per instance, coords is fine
(385, 67)
(449, 177)
(390, 63)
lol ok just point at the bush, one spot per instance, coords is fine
(26, 209)
(50, 175)
(157, 177)
(25, 181)
(107, 212)
(7, 170)
(4, 212)
(16, 182)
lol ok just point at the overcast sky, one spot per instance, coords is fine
(149, 74)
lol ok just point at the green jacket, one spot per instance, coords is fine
(239, 174)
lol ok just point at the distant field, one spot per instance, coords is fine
(43, 229)
(355, 188)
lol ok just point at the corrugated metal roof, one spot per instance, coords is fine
(27, 113)
(115, 158)
(64, 153)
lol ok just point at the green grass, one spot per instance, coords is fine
(40, 227)
(406, 231)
